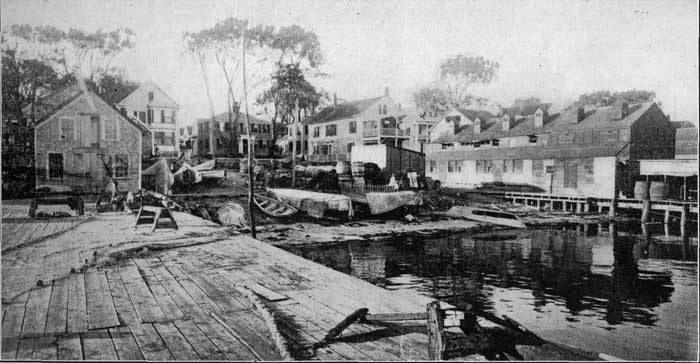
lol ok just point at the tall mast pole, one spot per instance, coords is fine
(294, 142)
(251, 177)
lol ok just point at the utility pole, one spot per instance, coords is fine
(294, 143)
(251, 177)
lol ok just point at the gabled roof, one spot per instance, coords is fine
(341, 111)
(534, 152)
(52, 102)
(145, 87)
(57, 101)
(682, 124)
(223, 117)
(566, 121)
(525, 110)
(474, 114)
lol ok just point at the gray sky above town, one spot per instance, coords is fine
(554, 50)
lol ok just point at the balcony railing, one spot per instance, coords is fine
(385, 132)
(328, 157)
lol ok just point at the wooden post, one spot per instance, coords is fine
(646, 210)
(684, 218)
(667, 215)
(539, 204)
(294, 145)
(251, 178)
(613, 206)
(436, 331)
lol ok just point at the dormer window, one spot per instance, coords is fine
(533, 139)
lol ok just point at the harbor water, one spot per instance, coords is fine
(620, 290)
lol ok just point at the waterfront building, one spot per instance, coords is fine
(417, 123)
(686, 140)
(78, 136)
(154, 108)
(224, 131)
(584, 151)
(334, 130)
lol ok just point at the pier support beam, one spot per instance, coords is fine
(667, 215)
(613, 206)
(646, 210)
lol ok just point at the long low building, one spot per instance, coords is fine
(584, 152)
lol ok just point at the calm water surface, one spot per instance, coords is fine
(610, 289)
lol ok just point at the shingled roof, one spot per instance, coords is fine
(45, 106)
(566, 121)
(341, 111)
(525, 110)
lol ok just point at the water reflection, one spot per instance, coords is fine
(589, 269)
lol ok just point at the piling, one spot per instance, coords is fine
(436, 340)
(646, 211)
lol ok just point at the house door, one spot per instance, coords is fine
(570, 174)
(498, 170)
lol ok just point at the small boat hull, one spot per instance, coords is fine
(487, 216)
(273, 207)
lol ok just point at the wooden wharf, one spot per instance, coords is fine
(102, 289)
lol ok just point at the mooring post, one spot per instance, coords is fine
(436, 331)
(613, 206)
(646, 210)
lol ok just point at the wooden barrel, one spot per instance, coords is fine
(658, 190)
(641, 190)
(342, 167)
(358, 169)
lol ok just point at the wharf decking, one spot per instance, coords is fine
(185, 296)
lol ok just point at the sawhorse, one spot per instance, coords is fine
(153, 215)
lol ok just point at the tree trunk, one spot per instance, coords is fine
(251, 177)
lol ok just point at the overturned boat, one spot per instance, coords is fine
(487, 215)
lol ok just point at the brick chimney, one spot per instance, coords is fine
(386, 91)
(505, 122)
(478, 126)
(580, 114)
(539, 118)
(335, 99)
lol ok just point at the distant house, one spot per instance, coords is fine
(686, 140)
(576, 152)
(335, 129)
(261, 133)
(76, 134)
(188, 139)
(417, 123)
(154, 108)
(456, 119)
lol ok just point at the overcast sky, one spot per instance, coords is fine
(554, 50)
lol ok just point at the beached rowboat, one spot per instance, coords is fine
(494, 216)
(274, 207)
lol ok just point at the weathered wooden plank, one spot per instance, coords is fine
(11, 330)
(396, 316)
(231, 346)
(151, 345)
(45, 348)
(69, 347)
(176, 342)
(25, 349)
(146, 306)
(216, 293)
(266, 293)
(37, 309)
(253, 329)
(100, 307)
(299, 338)
(204, 347)
(58, 308)
(124, 344)
(160, 293)
(202, 300)
(184, 301)
(97, 345)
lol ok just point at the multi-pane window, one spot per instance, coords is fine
(353, 127)
(55, 165)
(172, 116)
(330, 130)
(67, 129)
(110, 129)
(121, 165)
(142, 116)
(162, 116)
(450, 166)
(150, 116)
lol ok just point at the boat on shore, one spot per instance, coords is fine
(273, 207)
(487, 215)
